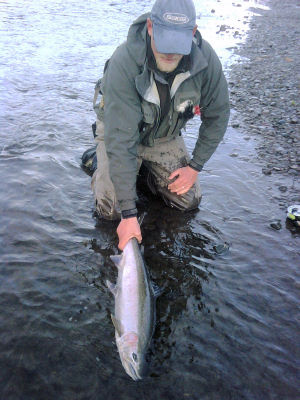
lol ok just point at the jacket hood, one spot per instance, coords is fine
(137, 39)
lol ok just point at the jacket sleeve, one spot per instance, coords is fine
(122, 114)
(214, 105)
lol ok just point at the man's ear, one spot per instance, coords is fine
(195, 29)
(149, 26)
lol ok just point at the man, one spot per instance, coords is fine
(163, 75)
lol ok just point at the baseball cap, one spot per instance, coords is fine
(173, 24)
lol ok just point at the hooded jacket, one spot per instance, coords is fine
(132, 106)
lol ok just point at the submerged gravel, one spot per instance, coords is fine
(264, 87)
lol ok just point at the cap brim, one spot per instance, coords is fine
(172, 41)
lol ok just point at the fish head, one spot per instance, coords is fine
(131, 357)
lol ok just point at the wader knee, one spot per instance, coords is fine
(187, 202)
(102, 186)
(106, 210)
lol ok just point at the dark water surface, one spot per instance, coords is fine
(228, 321)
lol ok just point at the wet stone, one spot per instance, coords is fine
(221, 248)
(282, 188)
(266, 171)
(223, 28)
(276, 225)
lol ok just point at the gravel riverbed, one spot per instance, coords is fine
(264, 89)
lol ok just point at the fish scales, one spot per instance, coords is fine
(134, 317)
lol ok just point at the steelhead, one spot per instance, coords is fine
(134, 317)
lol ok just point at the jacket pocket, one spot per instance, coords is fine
(186, 99)
(148, 113)
(147, 124)
(184, 104)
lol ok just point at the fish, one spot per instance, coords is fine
(134, 315)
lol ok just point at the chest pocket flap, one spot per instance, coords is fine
(187, 98)
(148, 113)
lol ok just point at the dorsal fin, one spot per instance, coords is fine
(157, 291)
(141, 218)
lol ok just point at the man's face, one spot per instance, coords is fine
(165, 62)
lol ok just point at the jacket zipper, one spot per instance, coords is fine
(176, 121)
(158, 122)
(175, 127)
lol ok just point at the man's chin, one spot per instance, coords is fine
(166, 67)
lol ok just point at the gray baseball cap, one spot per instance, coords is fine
(173, 24)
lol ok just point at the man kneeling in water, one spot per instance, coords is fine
(163, 75)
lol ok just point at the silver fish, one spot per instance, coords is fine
(134, 318)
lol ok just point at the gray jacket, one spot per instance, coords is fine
(132, 106)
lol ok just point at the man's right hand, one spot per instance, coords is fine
(127, 229)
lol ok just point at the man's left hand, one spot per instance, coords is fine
(186, 177)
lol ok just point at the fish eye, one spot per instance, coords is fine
(134, 356)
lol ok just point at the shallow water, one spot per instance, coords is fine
(228, 319)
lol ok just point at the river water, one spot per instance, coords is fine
(227, 322)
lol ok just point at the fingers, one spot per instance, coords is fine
(128, 229)
(175, 173)
(125, 240)
(180, 190)
(186, 177)
(174, 187)
(179, 186)
(183, 191)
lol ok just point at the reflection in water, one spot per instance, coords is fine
(181, 260)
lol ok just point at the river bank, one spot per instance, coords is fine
(264, 91)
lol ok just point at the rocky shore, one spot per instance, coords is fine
(264, 87)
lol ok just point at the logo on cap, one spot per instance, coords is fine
(175, 18)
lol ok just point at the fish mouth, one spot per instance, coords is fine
(133, 373)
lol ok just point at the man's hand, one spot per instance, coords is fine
(127, 229)
(186, 177)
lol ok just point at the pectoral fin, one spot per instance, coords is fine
(116, 260)
(117, 325)
(112, 287)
